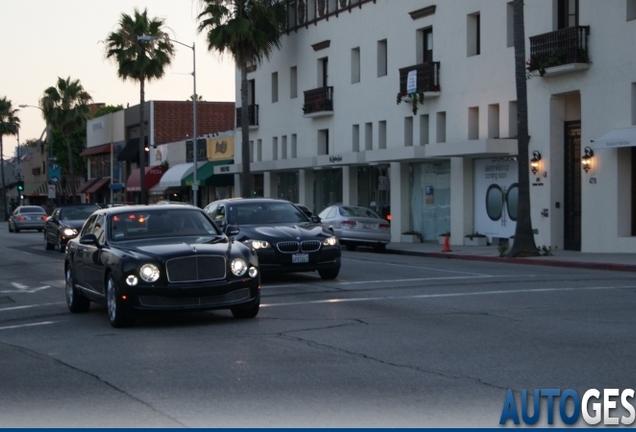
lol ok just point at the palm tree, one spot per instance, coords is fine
(9, 125)
(65, 108)
(249, 30)
(524, 244)
(140, 60)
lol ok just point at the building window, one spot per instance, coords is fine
(567, 13)
(293, 82)
(424, 129)
(323, 142)
(382, 58)
(275, 87)
(473, 123)
(275, 148)
(355, 138)
(427, 45)
(294, 146)
(283, 147)
(408, 131)
(323, 72)
(368, 136)
(355, 65)
(259, 149)
(493, 121)
(631, 10)
(474, 34)
(441, 127)
(251, 92)
(382, 134)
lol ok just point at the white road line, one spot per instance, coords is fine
(29, 306)
(24, 289)
(27, 325)
(427, 296)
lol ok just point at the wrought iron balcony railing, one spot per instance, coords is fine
(318, 100)
(558, 48)
(301, 13)
(252, 113)
(427, 77)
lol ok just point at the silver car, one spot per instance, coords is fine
(356, 226)
(27, 217)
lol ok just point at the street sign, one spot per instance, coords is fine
(51, 191)
(195, 186)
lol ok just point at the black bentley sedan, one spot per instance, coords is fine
(159, 258)
(65, 223)
(284, 237)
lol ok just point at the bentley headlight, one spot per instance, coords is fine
(258, 244)
(238, 266)
(149, 272)
(330, 241)
(69, 232)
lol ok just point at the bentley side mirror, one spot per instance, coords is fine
(232, 230)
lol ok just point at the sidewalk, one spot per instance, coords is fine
(559, 258)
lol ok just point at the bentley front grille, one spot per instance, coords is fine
(196, 268)
(159, 302)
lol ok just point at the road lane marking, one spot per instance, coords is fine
(430, 296)
(24, 289)
(29, 306)
(27, 325)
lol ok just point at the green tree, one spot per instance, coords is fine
(524, 244)
(65, 109)
(249, 30)
(140, 60)
(107, 109)
(9, 125)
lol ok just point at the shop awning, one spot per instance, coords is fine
(174, 175)
(93, 185)
(153, 175)
(156, 190)
(101, 149)
(623, 137)
(131, 151)
(206, 176)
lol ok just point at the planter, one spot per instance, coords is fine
(476, 241)
(410, 238)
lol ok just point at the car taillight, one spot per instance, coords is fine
(44, 217)
(388, 217)
(21, 217)
(348, 223)
(385, 226)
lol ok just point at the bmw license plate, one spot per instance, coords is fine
(300, 258)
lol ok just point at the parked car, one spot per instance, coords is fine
(356, 226)
(27, 217)
(65, 223)
(159, 258)
(285, 239)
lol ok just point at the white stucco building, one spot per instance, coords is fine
(326, 126)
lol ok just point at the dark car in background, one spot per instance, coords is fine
(357, 226)
(65, 223)
(27, 217)
(135, 259)
(284, 237)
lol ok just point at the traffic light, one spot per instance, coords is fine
(20, 186)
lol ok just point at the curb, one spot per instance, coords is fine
(521, 260)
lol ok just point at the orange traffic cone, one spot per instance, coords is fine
(446, 244)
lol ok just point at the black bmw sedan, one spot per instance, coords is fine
(159, 258)
(65, 223)
(284, 237)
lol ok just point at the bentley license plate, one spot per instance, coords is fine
(300, 258)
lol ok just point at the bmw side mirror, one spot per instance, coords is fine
(232, 230)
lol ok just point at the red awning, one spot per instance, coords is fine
(93, 185)
(82, 189)
(153, 175)
(96, 150)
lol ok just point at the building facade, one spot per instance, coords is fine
(410, 107)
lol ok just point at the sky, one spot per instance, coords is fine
(42, 40)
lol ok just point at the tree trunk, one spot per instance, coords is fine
(246, 185)
(71, 170)
(524, 244)
(4, 186)
(142, 145)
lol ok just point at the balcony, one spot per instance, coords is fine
(252, 113)
(425, 80)
(318, 102)
(560, 51)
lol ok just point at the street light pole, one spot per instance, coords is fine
(195, 182)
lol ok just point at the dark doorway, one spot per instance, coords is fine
(568, 13)
(572, 186)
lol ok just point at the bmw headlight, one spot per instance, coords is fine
(149, 272)
(330, 241)
(258, 244)
(238, 266)
(69, 232)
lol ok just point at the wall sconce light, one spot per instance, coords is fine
(534, 162)
(586, 159)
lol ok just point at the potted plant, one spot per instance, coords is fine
(411, 237)
(442, 237)
(476, 239)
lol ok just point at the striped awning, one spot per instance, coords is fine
(42, 189)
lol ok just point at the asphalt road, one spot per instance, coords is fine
(395, 341)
